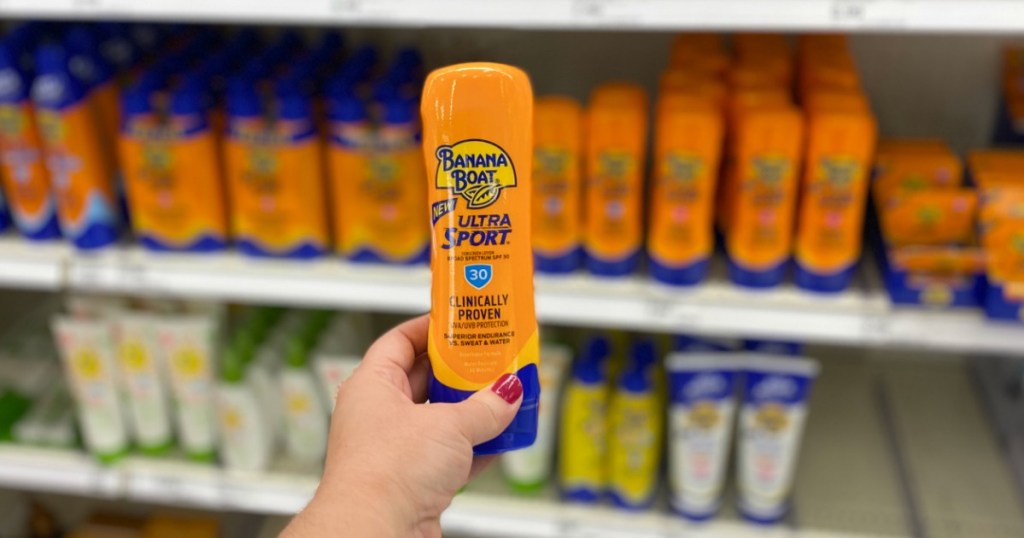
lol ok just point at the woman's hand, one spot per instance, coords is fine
(393, 463)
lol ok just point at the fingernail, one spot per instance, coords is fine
(509, 387)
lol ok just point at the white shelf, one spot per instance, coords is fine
(846, 15)
(183, 484)
(860, 316)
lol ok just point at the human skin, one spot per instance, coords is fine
(393, 462)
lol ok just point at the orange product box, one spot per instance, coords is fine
(932, 217)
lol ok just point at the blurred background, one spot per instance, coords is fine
(779, 259)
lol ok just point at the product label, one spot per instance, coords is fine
(378, 190)
(584, 437)
(930, 217)
(25, 179)
(277, 191)
(681, 209)
(480, 230)
(614, 201)
(831, 214)
(762, 220)
(635, 446)
(173, 180)
(81, 172)
(556, 201)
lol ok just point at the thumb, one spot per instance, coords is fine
(484, 415)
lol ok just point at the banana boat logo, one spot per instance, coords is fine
(476, 170)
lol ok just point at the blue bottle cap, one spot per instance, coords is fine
(642, 357)
(135, 99)
(14, 85)
(409, 58)
(85, 62)
(192, 96)
(292, 103)
(115, 47)
(242, 97)
(590, 367)
(51, 58)
(385, 90)
(398, 110)
(346, 107)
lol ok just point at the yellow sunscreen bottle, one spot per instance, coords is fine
(478, 152)
(557, 183)
(616, 140)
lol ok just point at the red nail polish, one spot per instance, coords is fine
(509, 387)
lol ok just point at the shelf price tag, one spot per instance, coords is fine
(607, 11)
(673, 314)
(872, 13)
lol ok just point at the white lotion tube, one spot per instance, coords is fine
(87, 351)
(702, 405)
(187, 342)
(776, 389)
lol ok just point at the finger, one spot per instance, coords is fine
(480, 463)
(419, 378)
(400, 346)
(484, 415)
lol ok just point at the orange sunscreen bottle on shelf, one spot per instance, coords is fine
(557, 184)
(833, 197)
(616, 141)
(759, 238)
(687, 148)
(478, 151)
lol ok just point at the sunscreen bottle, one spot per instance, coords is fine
(830, 226)
(584, 425)
(760, 233)
(274, 170)
(688, 146)
(557, 184)
(80, 168)
(616, 132)
(635, 431)
(245, 443)
(26, 181)
(478, 150)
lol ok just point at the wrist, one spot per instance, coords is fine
(365, 505)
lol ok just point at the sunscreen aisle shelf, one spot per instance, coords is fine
(860, 316)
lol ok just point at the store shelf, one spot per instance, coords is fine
(865, 15)
(860, 316)
(32, 265)
(479, 511)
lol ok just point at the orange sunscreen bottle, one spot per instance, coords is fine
(760, 233)
(687, 148)
(25, 178)
(833, 195)
(557, 184)
(616, 140)
(478, 152)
